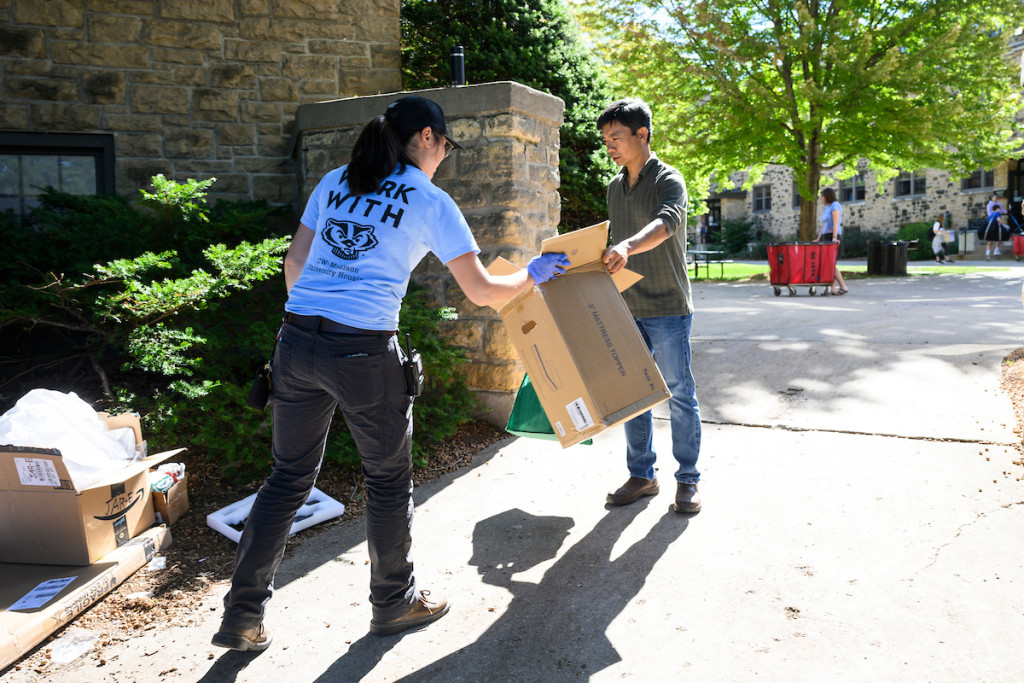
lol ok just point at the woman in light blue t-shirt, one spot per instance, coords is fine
(365, 228)
(832, 231)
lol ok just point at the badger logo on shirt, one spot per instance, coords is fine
(347, 239)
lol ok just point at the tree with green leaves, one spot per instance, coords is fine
(533, 42)
(820, 86)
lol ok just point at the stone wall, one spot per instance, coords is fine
(192, 88)
(505, 181)
(884, 212)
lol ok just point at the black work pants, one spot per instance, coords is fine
(313, 373)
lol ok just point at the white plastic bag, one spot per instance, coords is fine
(51, 419)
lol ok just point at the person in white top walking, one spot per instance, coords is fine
(939, 241)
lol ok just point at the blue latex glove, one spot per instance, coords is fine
(546, 266)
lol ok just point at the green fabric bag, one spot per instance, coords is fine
(528, 418)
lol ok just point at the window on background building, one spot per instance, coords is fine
(852, 189)
(71, 163)
(980, 179)
(796, 196)
(762, 198)
(910, 184)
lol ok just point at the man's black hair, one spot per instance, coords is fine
(630, 112)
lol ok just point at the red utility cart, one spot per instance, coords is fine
(1018, 246)
(802, 264)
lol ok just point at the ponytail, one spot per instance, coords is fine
(377, 152)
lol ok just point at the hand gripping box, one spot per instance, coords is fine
(579, 343)
(44, 519)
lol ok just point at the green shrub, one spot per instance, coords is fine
(855, 242)
(917, 231)
(142, 306)
(734, 236)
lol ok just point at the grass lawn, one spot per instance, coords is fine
(757, 272)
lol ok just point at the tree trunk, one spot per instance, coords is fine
(809, 206)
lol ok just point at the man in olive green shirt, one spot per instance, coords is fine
(647, 211)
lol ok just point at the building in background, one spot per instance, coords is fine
(912, 196)
(101, 100)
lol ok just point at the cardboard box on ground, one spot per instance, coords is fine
(578, 342)
(36, 600)
(47, 520)
(170, 505)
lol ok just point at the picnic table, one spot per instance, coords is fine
(706, 258)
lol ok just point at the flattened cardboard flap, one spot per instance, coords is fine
(584, 247)
(134, 468)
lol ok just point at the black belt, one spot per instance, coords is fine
(321, 324)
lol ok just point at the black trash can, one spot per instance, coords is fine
(887, 258)
(875, 257)
(895, 259)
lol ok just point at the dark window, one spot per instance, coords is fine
(852, 189)
(978, 180)
(910, 184)
(76, 164)
(762, 198)
(796, 196)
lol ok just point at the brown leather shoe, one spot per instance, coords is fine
(422, 612)
(687, 498)
(633, 490)
(254, 639)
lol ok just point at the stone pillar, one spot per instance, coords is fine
(505, 181)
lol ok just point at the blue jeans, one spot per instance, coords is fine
(668, 339)
(314, 373)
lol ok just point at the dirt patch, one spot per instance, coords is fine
(1013, 384)
(200, 558)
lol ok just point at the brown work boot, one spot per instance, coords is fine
(633, 490)
(687, 498)
(255, 638)
(422, 612)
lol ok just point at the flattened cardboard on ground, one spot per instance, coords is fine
(579, 343)
(46, 520)
(171, 504)
(22, 630)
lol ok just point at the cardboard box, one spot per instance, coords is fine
(46, 597)
(579, 343)
(171, 504)
(46, 520)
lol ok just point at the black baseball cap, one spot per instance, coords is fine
(413, 113)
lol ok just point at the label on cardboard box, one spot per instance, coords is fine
(41, 594)
(579, 414)
(37, 472)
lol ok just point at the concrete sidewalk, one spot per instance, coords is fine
(863, 520)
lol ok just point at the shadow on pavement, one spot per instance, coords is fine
(360, 659)
(228, 666)
(554, 630)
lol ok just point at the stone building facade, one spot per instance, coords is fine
(773, 202)
(505, 181)
(190, 88)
